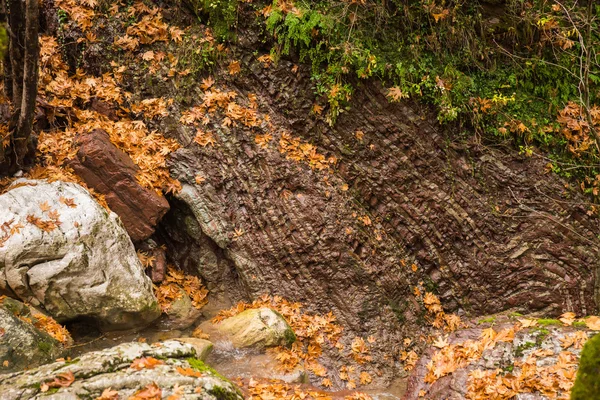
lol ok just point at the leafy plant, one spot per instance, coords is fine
(509, 77)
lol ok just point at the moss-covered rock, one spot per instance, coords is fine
(261, 327)
(110, 368)
(181, 313)
(587, 384)
(22, 345)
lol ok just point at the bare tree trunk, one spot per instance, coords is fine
(7, 70)
(22, 135)
(16, 24)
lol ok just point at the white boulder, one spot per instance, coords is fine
(62, 251)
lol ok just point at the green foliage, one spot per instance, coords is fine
(488, 320)
(548, 322)
(3, 41)
(505, 76)
(587, 384)
(221, 15)
(197, 54)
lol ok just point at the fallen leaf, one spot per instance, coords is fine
(593, 323)
(108, 394)
(189, 372)
(395, 94)
(234, 68)
(145, 363)
(150, 392)
(567, 318)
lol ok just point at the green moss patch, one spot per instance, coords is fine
(587, 384)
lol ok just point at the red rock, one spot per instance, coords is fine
(110, 171)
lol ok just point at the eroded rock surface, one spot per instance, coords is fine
(22, 345)
(476, 221)
(203, 347)
(181, 313)
(111, 368)
(72, 257)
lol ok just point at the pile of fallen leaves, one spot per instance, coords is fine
(52, 328)
(233, 111)
(45, 323)
(175, 281)
(435, 315)
(554, 380)
(68, 98)
(452, 357)
(297, 150)
(438, 318)
(275, 389)
(575, 127)
(537, 373)
(312, 332)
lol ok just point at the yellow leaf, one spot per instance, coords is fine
(527, 322)
(567, 318)
(440, 342)
(395, 94)
(234, 68)
(593, 323)
(365, 378)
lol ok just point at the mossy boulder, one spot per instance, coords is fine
(181, 313)
(259, 328)
(178, 373)
(203, 347)
(587, 384)
(22, 345)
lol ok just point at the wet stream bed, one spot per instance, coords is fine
(235, 364)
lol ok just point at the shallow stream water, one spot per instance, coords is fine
(230, 362)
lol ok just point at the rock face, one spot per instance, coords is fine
(203, 347)
(476, 221)
(22, 345)
(181, 314)
(539, 363)
(96, 371)
(111, 172)
(258, 328)
(72, 257)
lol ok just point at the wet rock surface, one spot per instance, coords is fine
(181, 314)
(110, 171)
(258, 328)
(94, 372)
(72, 258)
(23, 345)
